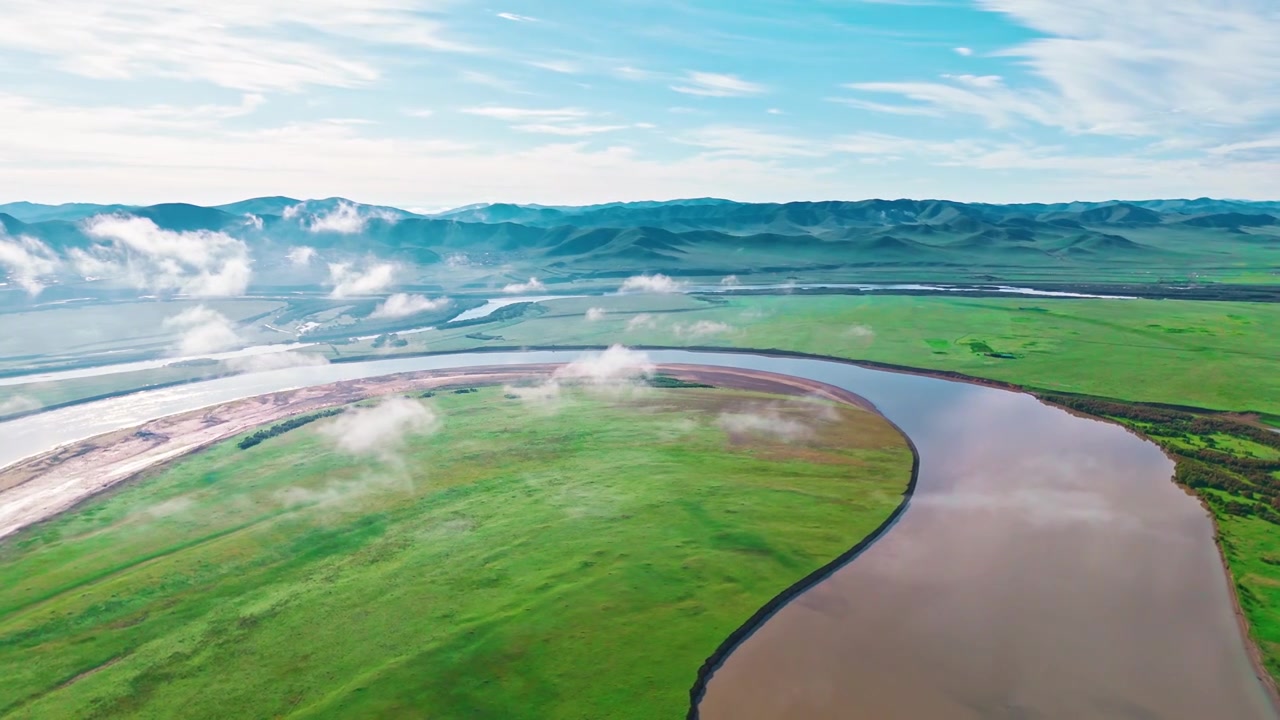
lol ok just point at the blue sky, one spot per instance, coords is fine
(435, 103)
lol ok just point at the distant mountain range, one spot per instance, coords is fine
(482, 244)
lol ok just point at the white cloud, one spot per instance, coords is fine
(768, 422)
(28, 261)
(1139, 68)
(203, 331)
(201, 263)
(373, 278)
(403, 304)
(381, 430)
(266, 362)
(567, 121)
(617, 364)
(253, 221)
(633, 73)
(775, 111)
(242, 45)
(515, 114)
(301, 255)
(702, 328)
(534, 285)
(516, 18)
(19, 404)
(565, 67)
(728, 280)
(595, 314)
(708, 84)
(643, 321)
(727, 141)
(656, 283)
(347, 218)
(966, 52)
(978, 81)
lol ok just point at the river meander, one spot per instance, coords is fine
(1046, 566)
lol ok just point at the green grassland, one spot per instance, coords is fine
(1219, 355)
(522, 562)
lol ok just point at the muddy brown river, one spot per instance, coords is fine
(1046, 566)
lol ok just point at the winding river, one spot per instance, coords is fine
(1046, 566)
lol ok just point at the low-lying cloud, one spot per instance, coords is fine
(534, 285)
(595, 314)
(767, 422)
(19, 404)
(203, 331)
(729, 280)
(28, 261)
(382, 430)
(618, 370)
(656, 283)
(345, 218)
(200, 263)
(372, 279)
(643, 321)
(404, 304)
(267, 362)
(301, 255)
(702, 328)
(617, 364)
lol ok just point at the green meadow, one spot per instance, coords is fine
(575, 557)
(1218, 355)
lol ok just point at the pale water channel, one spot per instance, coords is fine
(1046, 567)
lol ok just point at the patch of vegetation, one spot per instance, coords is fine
(389, 340)
(278, 429)
(477, 577)
(666, 381)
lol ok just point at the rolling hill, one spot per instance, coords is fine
(862, 240)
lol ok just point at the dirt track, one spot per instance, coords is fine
(40, 487)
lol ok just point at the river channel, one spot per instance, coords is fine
(1045, 567)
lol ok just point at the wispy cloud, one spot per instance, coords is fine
(708, 84)
(301, 255)
(565, 67)
(202, 331)
(513, 17)
(29, 262)
(747, 142)
(963, 51)
(533, 285)
(244, 46)
(344, 218)
(566, 121)
(701, 328)
(766, 422)
(655, 283)
(1108, 68)
(595, 314)
(371, 279)
(382, 430)
(201, 263)
(404, 304)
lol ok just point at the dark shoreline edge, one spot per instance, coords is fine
(743, 632)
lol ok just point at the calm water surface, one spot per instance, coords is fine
(1046, 567)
